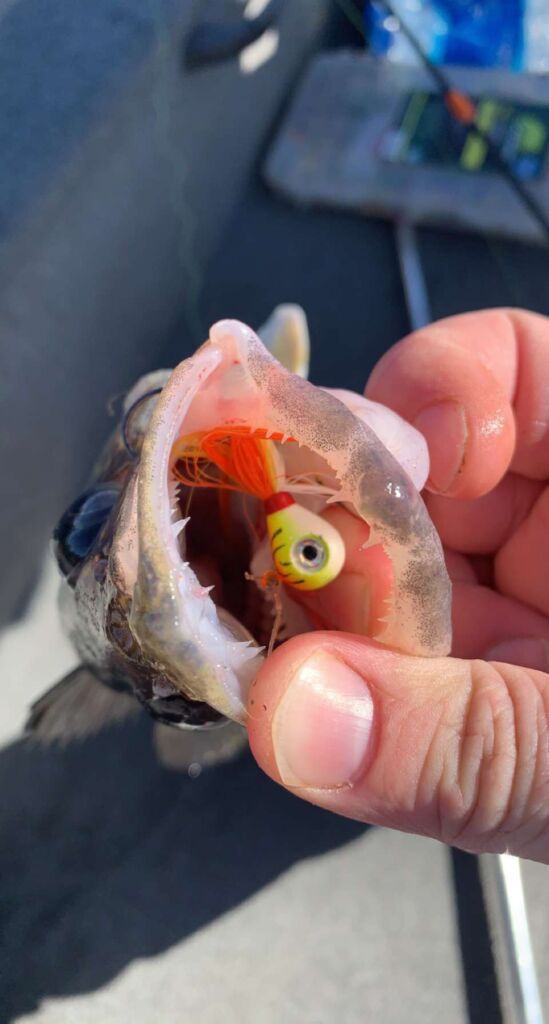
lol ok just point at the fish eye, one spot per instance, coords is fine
(79, 527)
(310, 554)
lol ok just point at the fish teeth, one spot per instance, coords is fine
(174, 486)
(179, 526)
(245, 650)
(252, 652)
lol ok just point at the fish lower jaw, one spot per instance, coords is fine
(217, 640)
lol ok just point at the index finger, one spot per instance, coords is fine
(477, 387)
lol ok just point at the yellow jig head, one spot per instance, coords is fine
(308, 552)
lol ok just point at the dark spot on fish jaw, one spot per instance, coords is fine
(100, 568)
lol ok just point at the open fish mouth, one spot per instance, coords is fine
(204, 549)
(211, 586)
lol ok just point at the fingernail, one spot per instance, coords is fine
(530, 652)
(444, 427)
(323, 725)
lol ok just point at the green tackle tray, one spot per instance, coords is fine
(327, 150)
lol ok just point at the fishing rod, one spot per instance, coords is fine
(463, 109)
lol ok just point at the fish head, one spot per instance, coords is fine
(162, 597)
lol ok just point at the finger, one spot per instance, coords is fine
(522, 563)
(483, 525)
(512, 523)
(531, 400)
(460, 569)
(463, 382)
(530, 652)
(455, 750)
(482, 619)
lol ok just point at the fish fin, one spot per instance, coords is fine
(77, 707)
(192, 750)
(286, 335)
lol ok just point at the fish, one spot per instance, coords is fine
(205, 533)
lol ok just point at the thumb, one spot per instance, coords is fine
(456, 750)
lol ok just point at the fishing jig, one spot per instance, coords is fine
(307, 551)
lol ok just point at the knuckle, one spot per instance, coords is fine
(494, 790)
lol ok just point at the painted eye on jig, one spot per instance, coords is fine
(310, 553)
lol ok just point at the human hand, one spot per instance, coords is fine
(454, 748)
